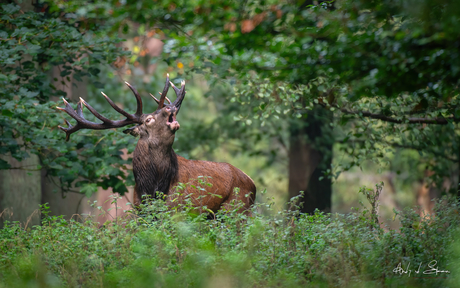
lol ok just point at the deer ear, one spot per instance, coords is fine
(133, 131)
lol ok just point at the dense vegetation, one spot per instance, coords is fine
(379, 78)
(32, 44)
(372, 77)
(181, 249)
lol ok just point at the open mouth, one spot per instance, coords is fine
(172, 122)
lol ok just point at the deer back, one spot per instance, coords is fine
(226, 184)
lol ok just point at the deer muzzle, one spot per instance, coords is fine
(172, 122)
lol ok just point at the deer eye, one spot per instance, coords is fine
(148, 120)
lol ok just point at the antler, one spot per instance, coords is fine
(163, 95)
(180, 93)
(82, 123)
(158, 101)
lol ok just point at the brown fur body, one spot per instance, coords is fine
(163, 170)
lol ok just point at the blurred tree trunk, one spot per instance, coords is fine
(458, 172)
(20, 189)
(24, 188)
(64, 203)
(310, 154)
(20, 186)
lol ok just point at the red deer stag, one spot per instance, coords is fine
(155, 165)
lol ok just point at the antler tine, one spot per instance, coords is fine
(114, 106)
(158, 101)
(180, 94)
(92, 110)
(163, 95)
(80, 109)
(138, 98)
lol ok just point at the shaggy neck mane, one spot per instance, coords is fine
(154, 168)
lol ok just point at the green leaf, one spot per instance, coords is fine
(7, 113)
(89, 189)
(4, 164)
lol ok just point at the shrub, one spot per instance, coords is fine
(180, 248)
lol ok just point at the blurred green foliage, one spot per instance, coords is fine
(176, 247)
(387, 72)
(31, 45)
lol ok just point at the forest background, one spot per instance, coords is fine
(314, 96)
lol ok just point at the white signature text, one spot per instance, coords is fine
(432, 269)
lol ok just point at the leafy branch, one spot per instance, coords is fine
(412, 120)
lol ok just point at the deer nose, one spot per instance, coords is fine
(171, 109)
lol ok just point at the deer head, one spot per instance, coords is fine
(160, 125)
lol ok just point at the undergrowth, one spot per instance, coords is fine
(166, 247)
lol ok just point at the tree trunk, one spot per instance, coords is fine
(62, 203)
(310, 155)
(458, 172)
(20, 186)
(20, 189)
